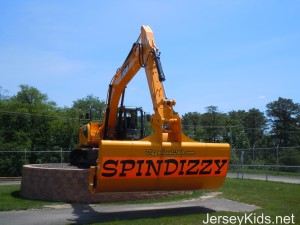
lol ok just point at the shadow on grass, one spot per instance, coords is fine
(86, 214)
(16, 194)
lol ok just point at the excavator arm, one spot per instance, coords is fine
(166, 160)
(144, 53)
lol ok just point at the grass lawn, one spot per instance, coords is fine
(275, 199)
(10, 199)
(268, 171)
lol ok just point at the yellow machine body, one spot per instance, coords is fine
(151, 166)
(166, 160)
(89, 134)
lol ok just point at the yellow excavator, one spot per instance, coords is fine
(129, 161)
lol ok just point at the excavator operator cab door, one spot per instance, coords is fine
(130, 123)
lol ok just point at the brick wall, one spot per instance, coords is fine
(71, 185)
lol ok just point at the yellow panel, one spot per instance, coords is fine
(148, 166)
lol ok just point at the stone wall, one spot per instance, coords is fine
(60, 182)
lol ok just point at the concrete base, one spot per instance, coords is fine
(61, 182)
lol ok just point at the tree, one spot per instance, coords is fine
(236, 133)
(65, 128)
(213, 120)
(25, 123)
(255, 124)
(191, 125)
(3, 95)
(32, 99)
(284, 114)
(83, 106)
(37, 112)
(238, 115)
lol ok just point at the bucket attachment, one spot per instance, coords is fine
(144, 165)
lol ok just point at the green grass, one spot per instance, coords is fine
(264, 172)
(10, 199)
(263, 193)
(274, 199)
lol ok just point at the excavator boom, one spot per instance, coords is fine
(166, 160)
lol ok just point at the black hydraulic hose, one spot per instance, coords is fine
(107, 112)
(129, 54)
(141, 54)
(161, 75)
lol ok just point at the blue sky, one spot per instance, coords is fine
(230, 54)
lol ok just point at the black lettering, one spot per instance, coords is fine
(182, 162)
(169, 161)
(106, 166)
(208, 162)
(129, 162)
(151, 165)
(140, 163)
(194, 164)
(220, 167)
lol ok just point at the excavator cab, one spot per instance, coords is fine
(130, 123)
(130, 126)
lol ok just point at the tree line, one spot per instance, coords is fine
(276, 130)
(29, 120)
